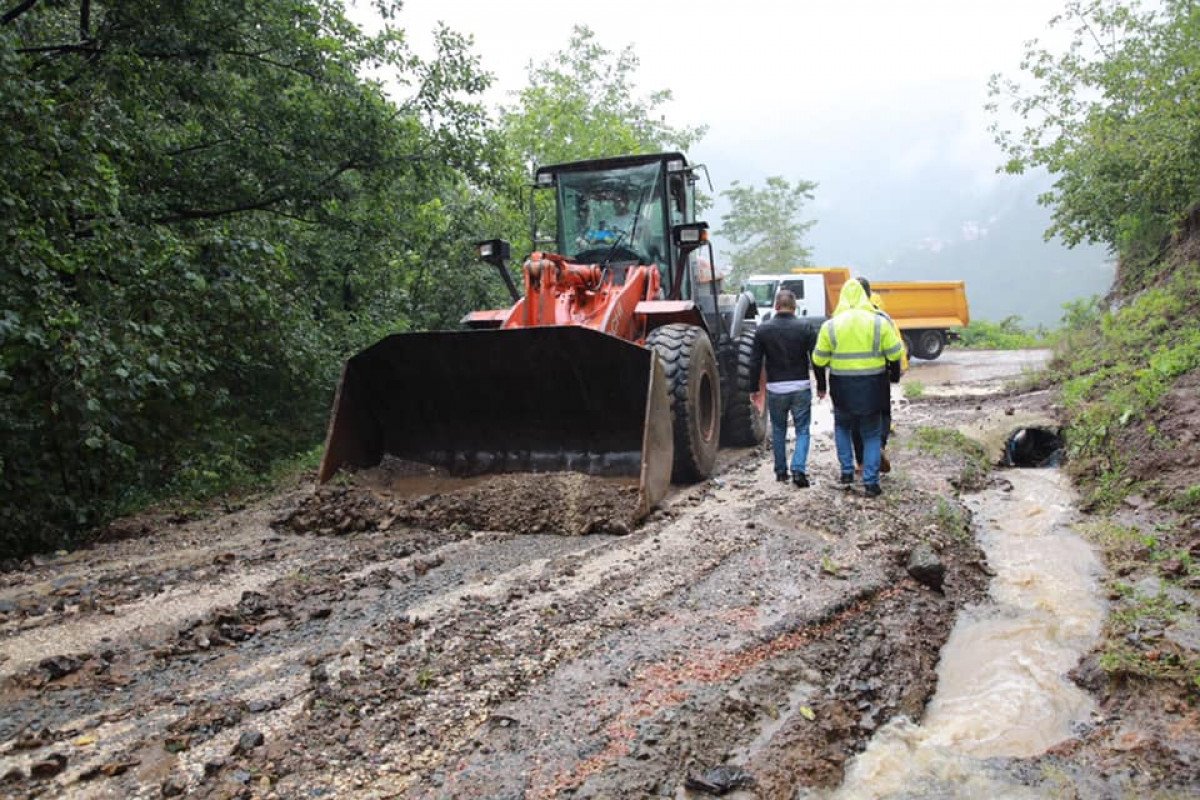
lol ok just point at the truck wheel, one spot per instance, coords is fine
(745, 422)
(929, 344)
(694, 387)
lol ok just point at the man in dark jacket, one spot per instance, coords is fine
(786, 342)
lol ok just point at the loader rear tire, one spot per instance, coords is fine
(694, 388)
(745, 422)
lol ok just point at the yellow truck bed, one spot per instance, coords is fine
(925, 311)
(925, 304)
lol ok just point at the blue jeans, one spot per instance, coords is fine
(779, 406)
(870, 427)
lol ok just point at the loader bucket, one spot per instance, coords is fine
(539, 399)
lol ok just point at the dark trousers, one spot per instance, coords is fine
(887, 426)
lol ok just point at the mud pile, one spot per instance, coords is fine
(565, 503)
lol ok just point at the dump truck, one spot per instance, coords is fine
(927, 312)
(616, 357)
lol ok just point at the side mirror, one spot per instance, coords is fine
(496, 252)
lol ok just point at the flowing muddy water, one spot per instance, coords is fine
(1002, 690)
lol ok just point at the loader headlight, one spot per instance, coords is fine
(691, 235)
(493, 251)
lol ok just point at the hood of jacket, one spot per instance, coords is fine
(853, 296)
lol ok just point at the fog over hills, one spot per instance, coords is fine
(1000, 251)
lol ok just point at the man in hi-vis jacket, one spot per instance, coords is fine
(858, 347)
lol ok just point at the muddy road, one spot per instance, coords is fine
(748, 636)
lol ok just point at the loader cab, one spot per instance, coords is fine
(619, 212)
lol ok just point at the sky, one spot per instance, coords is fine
(881, 103)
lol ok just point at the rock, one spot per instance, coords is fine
(248, 741)
(719, 780)
(1172, 568)
(173, 787)
(926, 568)
(1089, 674)
(49, 767)
(240, 776)
(57, 667)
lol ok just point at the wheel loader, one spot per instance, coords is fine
(619, 356)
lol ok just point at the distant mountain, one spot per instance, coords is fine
(995, 243)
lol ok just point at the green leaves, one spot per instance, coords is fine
(765, 227)
(1116, 118)
(205, 206)
(582, 102)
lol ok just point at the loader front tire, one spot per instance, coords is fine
(694, 388)
(745, 422)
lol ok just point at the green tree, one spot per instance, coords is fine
(205, 208)
(764, 226)
(583, 102)
(1115, 118)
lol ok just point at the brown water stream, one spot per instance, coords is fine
(1002, 689)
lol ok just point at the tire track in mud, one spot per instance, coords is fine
(468, 664)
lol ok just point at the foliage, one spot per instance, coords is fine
(1008, 334)
(765, 227)
(206, 209)
(1116, 118)
(582, 102)
(1115, 367)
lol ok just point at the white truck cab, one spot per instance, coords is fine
(809, 291)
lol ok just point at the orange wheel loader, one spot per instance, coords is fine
(618, 358)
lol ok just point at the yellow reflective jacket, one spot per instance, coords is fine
(877, 301)
(855, 341)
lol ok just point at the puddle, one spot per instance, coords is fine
(1001, 686)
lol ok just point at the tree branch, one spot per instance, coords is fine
(77, 47)
(18, 11)
(261, 204)
(85, 19)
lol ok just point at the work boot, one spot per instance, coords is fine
(800, 479)
(884, 464)
(846, 479)
(873, 490)
(781, 477)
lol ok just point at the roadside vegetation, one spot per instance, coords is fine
(1007, 334)
(1116, 119)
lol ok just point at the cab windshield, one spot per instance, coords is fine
(613, 216)
(763, 292)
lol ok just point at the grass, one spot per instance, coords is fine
(1133, 645)
(1114, 367)
(913, 389)
(1008, 334)
(949, 518)
(950, 443)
